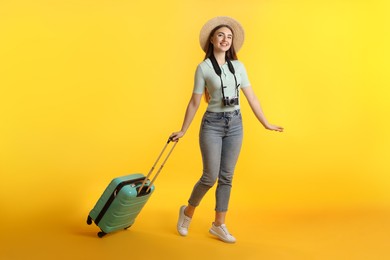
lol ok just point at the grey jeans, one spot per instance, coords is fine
(220, 140)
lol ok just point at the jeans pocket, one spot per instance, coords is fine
(209, 118)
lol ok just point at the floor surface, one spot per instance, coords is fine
(262, 234)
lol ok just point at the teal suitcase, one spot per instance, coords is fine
(123, 200)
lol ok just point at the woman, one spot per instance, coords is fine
(220, 77)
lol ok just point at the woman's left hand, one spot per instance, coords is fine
(274, 128)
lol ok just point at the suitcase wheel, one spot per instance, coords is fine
(89, 220)
(101, 234)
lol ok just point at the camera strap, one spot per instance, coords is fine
(218, 71)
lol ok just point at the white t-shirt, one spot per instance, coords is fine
(205, 77)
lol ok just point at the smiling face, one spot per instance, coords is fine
(222, 39)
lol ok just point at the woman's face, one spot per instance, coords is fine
(222, 39)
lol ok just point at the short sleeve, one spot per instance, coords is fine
(244, 76)
(199, 81)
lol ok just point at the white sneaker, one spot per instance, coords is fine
(222, 233)
(183, 223)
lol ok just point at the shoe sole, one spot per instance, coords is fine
(212, 232)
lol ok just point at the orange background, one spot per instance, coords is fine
(91, 90)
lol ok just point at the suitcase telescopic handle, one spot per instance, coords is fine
(154, 166)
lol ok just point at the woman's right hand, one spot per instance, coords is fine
(176, 136)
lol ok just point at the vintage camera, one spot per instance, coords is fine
(230, 102)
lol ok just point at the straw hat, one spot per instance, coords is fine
(238, 31)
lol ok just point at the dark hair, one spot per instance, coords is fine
(230, 54)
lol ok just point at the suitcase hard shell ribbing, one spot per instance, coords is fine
(124, 198)
(119, 205)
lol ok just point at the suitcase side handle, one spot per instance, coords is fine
(154, 166)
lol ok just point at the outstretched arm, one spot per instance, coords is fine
(192, 107)
(254, 103)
